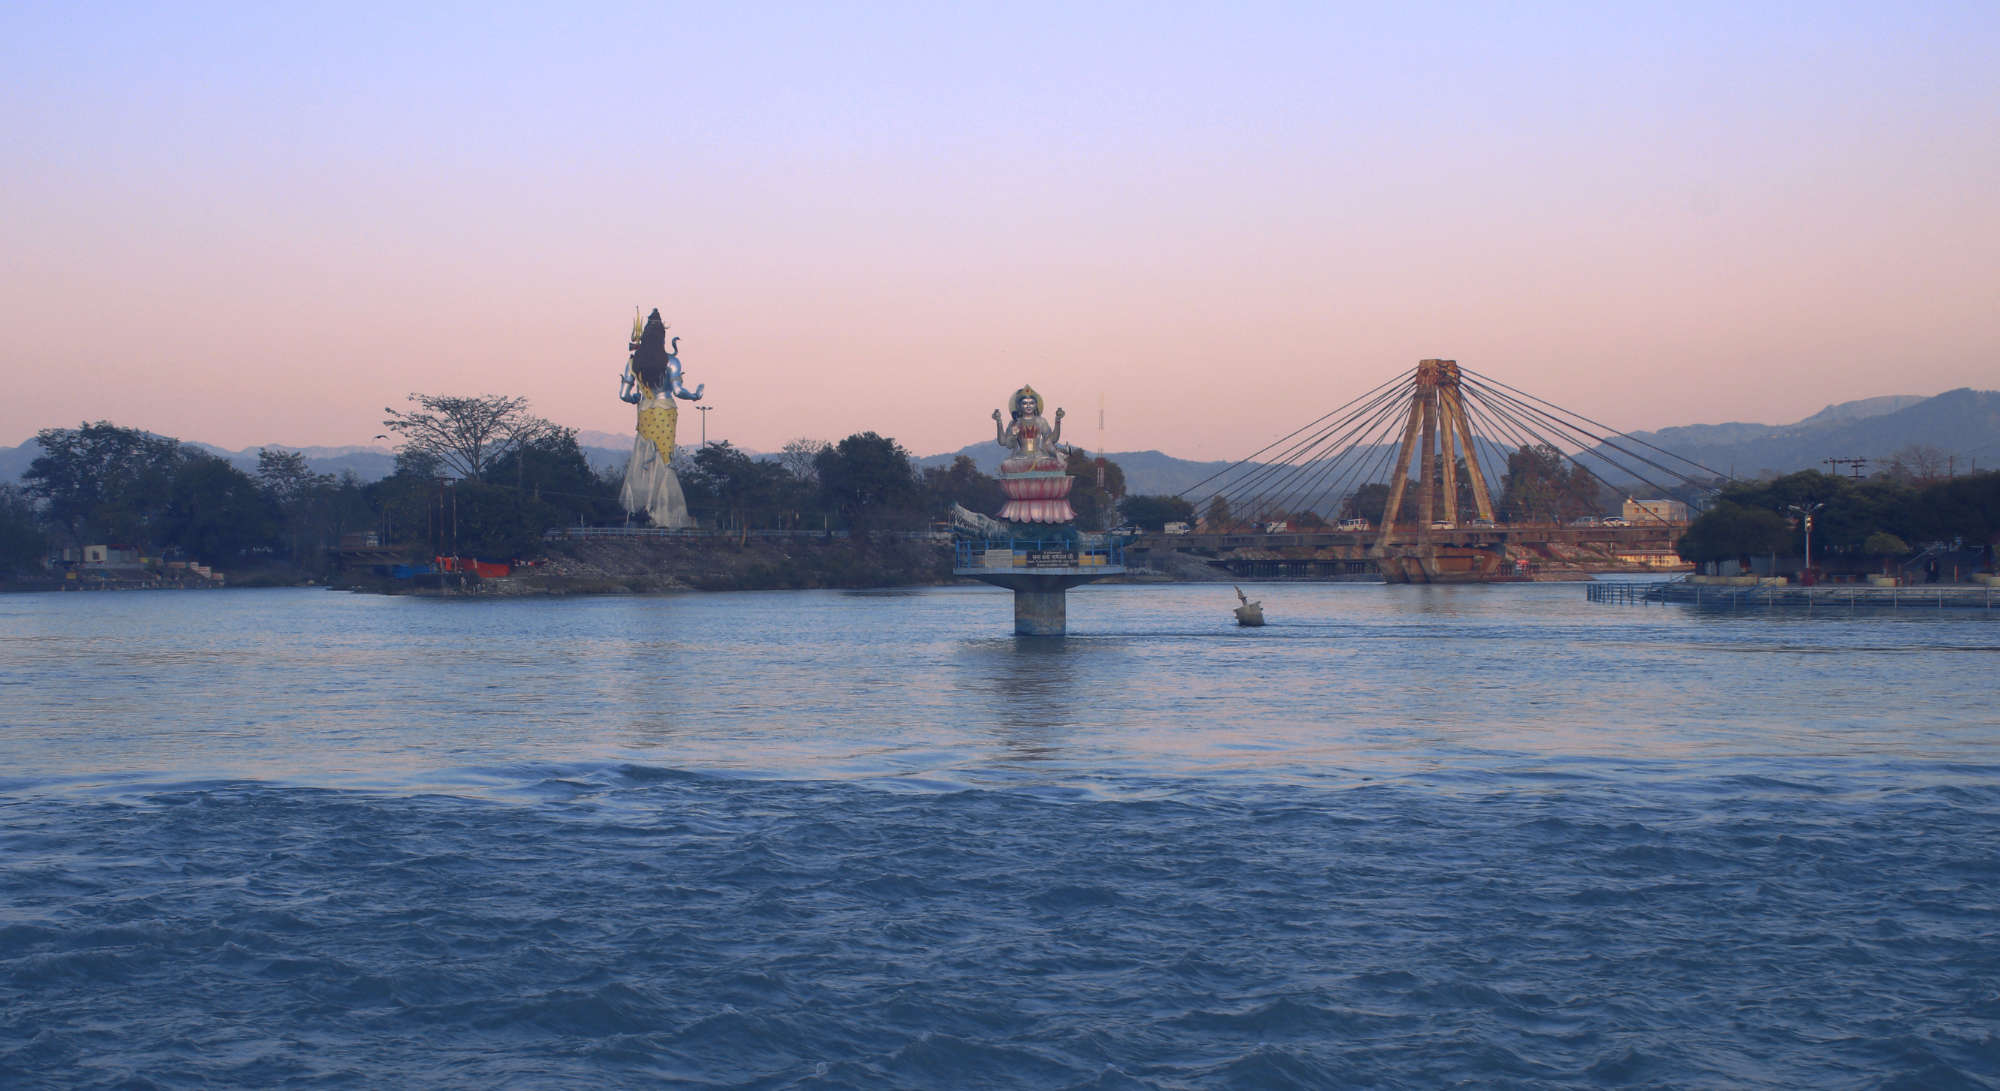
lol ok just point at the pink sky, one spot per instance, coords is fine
(263, 228)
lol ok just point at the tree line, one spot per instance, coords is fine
(474, 476)
(1885, 516)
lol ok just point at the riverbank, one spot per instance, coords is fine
(600, 566)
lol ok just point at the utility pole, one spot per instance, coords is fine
(704, 422)
(1806, 511)
(1855, 463)
(1100, 439)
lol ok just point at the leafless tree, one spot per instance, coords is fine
(466, 435)
(1918, 463)
(801, 457)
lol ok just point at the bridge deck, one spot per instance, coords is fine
(1636, 538)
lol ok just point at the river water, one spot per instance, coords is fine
(1400, 837)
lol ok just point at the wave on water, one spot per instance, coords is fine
(632, 925)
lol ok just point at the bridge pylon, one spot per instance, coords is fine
(1436, 435)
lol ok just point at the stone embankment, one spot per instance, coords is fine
(597, 566)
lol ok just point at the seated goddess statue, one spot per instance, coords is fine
(1028, 436)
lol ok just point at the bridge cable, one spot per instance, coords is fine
(1490, 381)
(1400, 378)
(1597, 444)
(1250, 474)
(1305, 477)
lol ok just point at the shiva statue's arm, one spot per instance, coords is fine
(1055, 436)
(627, 385)
(1000, 431)
(674, 375)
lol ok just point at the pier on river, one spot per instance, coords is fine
(1853, 596)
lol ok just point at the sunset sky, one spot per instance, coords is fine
(248, 224)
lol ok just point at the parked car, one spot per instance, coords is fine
(1443, 524)
(1126, 530)
(1277, 527)
(1614, 521)
(1356, 524)
(1584, 521)
(1484, 524)
(1176, 528)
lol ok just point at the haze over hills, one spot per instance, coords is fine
(1963, 426)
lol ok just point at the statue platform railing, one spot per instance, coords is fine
(1027, 553)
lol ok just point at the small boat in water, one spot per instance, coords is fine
(1250, 614)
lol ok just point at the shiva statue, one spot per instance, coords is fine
(1028, 436)
(652, 381)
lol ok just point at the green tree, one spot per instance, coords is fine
(1731, 531)
(1965, 507)
(1542, 485)
(962, 483)
(1367, 502)
(1095, 504)
(216, 513)
(1155, 512)
(23, 542)
(103, 483)
(492, 522)
(1883, 544)
(867, 479)
(734, 490)
(551, 468)
(407, 503)
(1217, 517)
(298, 494)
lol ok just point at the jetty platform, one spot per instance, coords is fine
(1845, 596)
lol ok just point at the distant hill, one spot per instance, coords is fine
(1963, 423)
(366, 463)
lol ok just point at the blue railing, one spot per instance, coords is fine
(1038, 552)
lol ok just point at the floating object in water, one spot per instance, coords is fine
(1250, 614)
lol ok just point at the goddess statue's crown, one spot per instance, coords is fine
(1026, 392)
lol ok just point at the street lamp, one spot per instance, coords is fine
(704, 422)
(1805, 511)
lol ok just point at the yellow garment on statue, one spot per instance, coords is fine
(656, 423)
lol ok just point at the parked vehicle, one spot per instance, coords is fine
(1277, 527)
(1356, 524)
(1584, 521)
(1614, 521)
(1127, 530)
(1484, 524)
(1443, 524)
(1176, 528)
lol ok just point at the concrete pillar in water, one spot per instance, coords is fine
(1041, 597)
(1041, 612)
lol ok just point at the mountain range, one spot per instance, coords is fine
(1962, 427)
